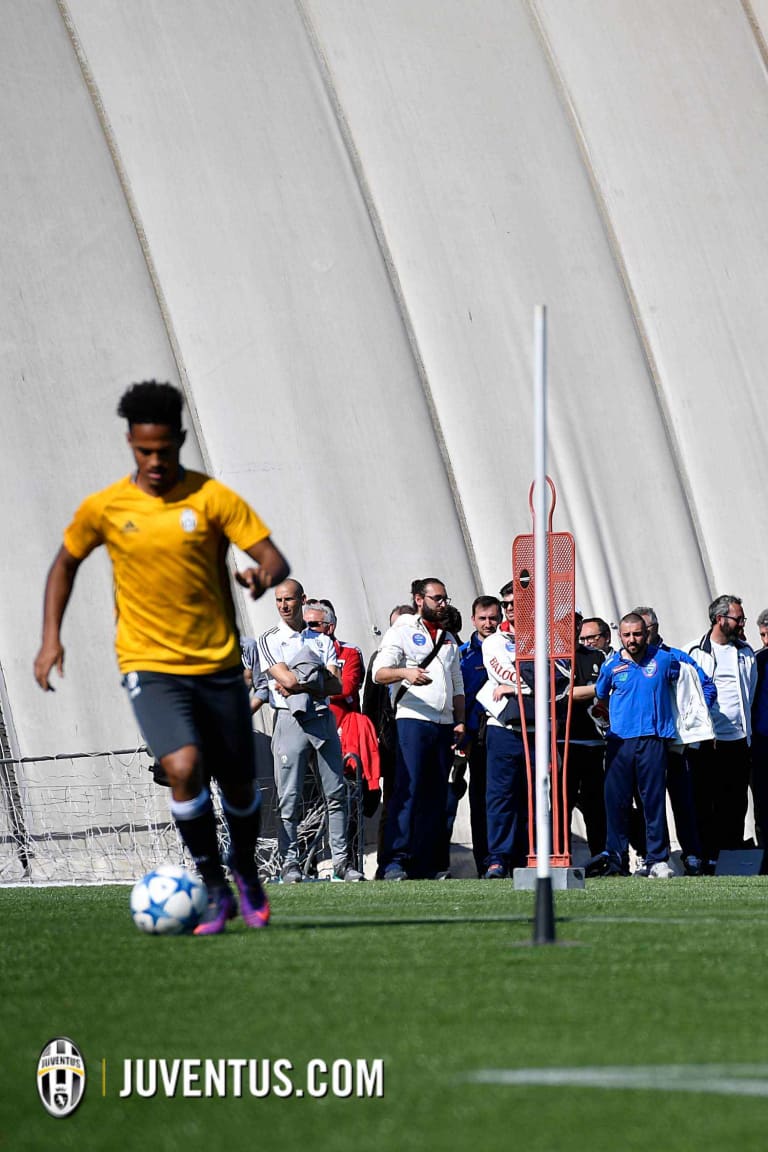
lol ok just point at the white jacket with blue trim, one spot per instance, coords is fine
(405, 645)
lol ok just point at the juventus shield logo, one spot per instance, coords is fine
(60, 1077)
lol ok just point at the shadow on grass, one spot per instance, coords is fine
(291, 923)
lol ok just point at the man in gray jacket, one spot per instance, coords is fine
(292, 647)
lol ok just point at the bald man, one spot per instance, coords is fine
(298, 735)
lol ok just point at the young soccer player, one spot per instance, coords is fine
(167, 531)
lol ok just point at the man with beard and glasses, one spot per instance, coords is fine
(419, 661)
(720, 767)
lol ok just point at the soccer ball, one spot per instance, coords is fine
(168, 901)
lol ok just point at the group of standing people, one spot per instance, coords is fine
(437, 708)
(646, 719)
(678, 721)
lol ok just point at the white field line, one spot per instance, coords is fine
(720, 1079)
(709, 917)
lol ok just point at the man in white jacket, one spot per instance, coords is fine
(419, 660)
(720, 767)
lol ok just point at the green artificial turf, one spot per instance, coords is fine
(438, 980)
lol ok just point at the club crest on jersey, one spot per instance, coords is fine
(418, 639)
(60, 1077)
(649, 669)
(188, 520)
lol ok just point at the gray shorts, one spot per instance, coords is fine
(210, 712)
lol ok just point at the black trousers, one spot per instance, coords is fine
(720, 780)
(759, 782)
(586, 790)
(477, 813)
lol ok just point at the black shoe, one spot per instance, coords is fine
(348, 874)
(597, 865)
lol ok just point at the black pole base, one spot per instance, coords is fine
(544, 920)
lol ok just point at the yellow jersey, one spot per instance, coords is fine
(173, 600)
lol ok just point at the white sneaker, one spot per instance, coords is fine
(660, 871)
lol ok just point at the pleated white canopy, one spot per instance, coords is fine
(330, 221)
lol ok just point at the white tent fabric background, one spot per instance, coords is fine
(330, 221)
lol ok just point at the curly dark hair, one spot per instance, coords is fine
(152, 403)
(418, 587)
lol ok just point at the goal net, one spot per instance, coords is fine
(101, 819)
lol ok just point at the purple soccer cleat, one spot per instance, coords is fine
(254, 905)
(221, 907)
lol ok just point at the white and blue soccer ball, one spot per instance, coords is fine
(168, 901)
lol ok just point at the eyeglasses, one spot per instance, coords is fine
(740, 620)
(590, 639)
(315, 624)
(507, 603)
(437, 599)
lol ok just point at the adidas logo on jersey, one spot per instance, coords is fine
(129, 526)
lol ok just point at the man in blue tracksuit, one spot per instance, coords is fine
(679, 785)
(634, 683)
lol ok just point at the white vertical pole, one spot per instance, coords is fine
(541, 662)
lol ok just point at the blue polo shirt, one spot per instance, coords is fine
(640, 699)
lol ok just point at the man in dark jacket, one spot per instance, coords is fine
(486, 617)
